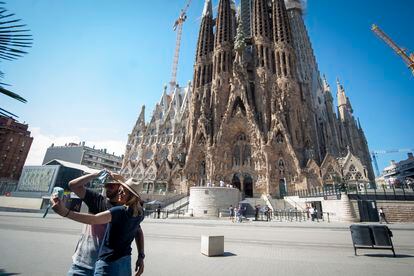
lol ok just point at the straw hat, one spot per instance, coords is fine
(114, 178)
(132, 185)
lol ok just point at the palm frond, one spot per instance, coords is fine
(12, 94)
(14, 40)
(13, 37)
(7, 113)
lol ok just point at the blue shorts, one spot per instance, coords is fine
(120, 267)
(76, 270)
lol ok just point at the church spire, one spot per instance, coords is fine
(294, 4)
(340, 93)
(205, 47)
(208, 8)
(281, 26)
(224, 23)
(141, 117)
(325, 83)
(282, 37)
(224, 37)
(261, 20)
(344, 104)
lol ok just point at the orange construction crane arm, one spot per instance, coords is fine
(409, 60)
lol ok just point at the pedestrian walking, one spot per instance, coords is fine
(316, 214)
(312, 213)
(114, 256)
(238, 212)
(256, 213)
(244, 211)
(266, 212)
(231, 212)
(87, 249)
(382, 216)
(158, 211)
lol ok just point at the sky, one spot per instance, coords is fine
(94, 63)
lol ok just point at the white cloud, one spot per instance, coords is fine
(42, 141)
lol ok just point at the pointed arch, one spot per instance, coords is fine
(238, 105)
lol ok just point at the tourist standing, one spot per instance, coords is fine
(244, 211)
(269, 214)
(158, 211)
(235, 211)
(238, 212)
(316, 214)
(312, 213)
(87, 249)
(307, 211)
(123, 221)
(256, 213)
(266, 212)
(231, 212)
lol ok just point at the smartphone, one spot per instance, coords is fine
(103, 175)
(58, 192)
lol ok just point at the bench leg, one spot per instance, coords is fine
(392, 248)
(355, 251)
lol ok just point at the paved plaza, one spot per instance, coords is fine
(31, 245)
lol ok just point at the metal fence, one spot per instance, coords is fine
(288, 215)
(361, 191)
(164, 214)
(6, 188)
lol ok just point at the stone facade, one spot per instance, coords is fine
(257, 114)
(209, 201)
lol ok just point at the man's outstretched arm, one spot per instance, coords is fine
(139, 240)
(77, 185)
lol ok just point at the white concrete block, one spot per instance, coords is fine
(212, 245)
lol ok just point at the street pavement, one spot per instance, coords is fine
(30, 245)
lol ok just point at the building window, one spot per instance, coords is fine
(348, 176)
(281, 164)
(279, 138)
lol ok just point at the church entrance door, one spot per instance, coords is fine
(236, 182)
(248, 186)
(282, 188)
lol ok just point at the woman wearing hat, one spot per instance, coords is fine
(123, 221)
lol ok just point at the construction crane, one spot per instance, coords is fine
(178, 27)
(375, 153)
(408, 59)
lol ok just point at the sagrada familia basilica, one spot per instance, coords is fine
(257, 115)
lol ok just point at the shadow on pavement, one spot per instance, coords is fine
(5, 273)
(225, 254)
(386, 256)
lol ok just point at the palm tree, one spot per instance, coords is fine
(14, 38)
